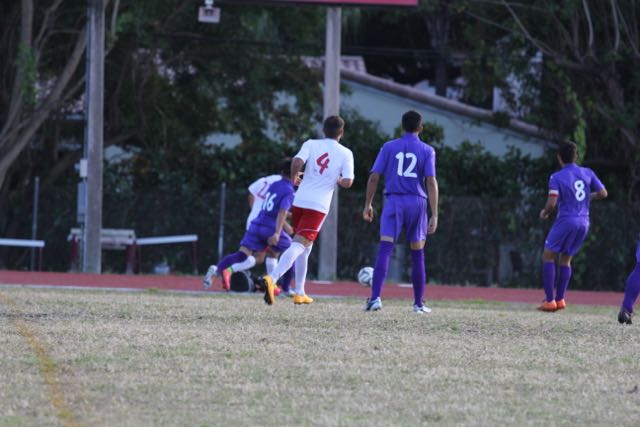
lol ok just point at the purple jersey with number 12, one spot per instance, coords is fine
(572, 185)
(405, 162)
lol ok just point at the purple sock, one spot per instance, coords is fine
(418, 275)
(231, 259)
(632, 289)
(380, 270)
(548, 279)
(564, 275)
(285, 280)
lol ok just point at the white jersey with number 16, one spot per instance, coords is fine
(326, 160)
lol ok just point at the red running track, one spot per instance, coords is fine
(352, 289)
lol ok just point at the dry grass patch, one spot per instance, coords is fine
(164, 359)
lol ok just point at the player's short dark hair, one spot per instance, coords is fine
(568, 151)
(411, 121)
(333, 126)
(284, 166)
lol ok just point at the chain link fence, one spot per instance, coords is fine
(479, 241)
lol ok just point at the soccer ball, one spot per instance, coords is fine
(365, 275)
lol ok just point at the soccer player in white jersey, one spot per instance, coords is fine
(327, 163)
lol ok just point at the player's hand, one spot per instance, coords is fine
(298, 179)
(367, 213)
(433, 225)
(273, 240)
(544, 214)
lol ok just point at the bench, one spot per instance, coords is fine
(165, 240)
(110, 238)
(121, 239)
(26, 243)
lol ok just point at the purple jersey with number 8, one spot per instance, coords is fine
(572, 185)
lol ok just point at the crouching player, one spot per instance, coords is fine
(631, 291)
(266, 231)
(571, 189)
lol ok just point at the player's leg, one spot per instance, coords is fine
(307, 223)
(415, 220)
(564, 275)
(224, 265)
(270, 263)
(307, 229)
(575, 233)
(301, 266)
(285, 283)
(418, 277)
(631, 292)
(390, 226)
(548, 280)
(274, 252)
(247, 264)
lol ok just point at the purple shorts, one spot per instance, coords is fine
(566, 235)
(404, 211)
(257, 236)
(638, 253)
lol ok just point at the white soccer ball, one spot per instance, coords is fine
(365, 276)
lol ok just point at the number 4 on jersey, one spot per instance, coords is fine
(323, 162)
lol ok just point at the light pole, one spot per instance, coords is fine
(327, 267)
(94, 113)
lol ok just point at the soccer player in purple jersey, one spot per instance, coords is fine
(409, 169)
(631, 291)
(267, 229)
(571, 189)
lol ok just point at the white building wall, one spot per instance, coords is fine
(387, 109)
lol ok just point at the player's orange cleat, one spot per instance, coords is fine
(269, 289)
(226, 279)
(561, 304)
(302, 299)
(548, 306)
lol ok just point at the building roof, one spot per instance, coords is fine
(441, 102)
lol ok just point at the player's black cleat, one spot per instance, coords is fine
(624, 317)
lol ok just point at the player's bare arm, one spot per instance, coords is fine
(296, 170)
(549, 207)
(433, 193)
(251, 199)
(345, 182)
(280, 220)
(599, 195)
(287, 228)
(372, 185)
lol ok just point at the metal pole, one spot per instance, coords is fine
(92, 253)
(34, 220)
(328, 261)
(223, 190)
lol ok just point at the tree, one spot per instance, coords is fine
(170, 81)
(592, 54)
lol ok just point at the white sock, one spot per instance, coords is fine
(244, 265)
(270, 263)
(286, 260)
(301, 270)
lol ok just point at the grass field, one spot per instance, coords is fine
(97, 358)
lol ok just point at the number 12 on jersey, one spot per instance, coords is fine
(409, 171)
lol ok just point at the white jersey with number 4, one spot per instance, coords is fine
(326, 160)
(259, 189)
